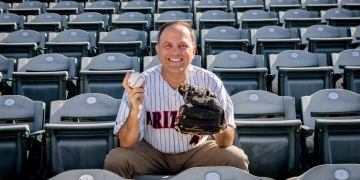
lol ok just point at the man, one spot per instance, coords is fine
(145, 122)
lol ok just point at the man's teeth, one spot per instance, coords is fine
(175, 60)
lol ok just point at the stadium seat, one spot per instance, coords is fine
(350, 4)
(325, 39)
(151, 61)
(318, 5)
(346, 68)
(132, 20)
(338, 17)
(11, 22)
(87, 174)
(160, 19)
(238, 70)
(299, 73)
(75, 43)
(213, 18)
(223, 38)
(242, 6)
(4, 7)
(66, 8)
(141, 6)
(28, 8)
(333, 117)
(6, 69)
(21, 44)
(174, 5)
(355, 34)
(105, 73)
(90, 22)
(331, 171)
(206, 5)
(298, 18)
(268, 132)
(153, 41)
(48, 22)
(22, 120)
(81, 132)
(103, 7)
(273, 40)
(45, 78)
(127, 41)
(255, 19)
(282, 5)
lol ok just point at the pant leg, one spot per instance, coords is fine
(141, 159)
(210, 154)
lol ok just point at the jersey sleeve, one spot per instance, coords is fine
(225, 100)
(124, 113)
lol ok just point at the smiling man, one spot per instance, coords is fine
(145, 123)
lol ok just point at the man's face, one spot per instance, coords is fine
(175, 49)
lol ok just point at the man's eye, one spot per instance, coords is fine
(184, 46)
(167, 46)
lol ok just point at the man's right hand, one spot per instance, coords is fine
(135, 95)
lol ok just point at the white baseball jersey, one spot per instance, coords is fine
(161, 106)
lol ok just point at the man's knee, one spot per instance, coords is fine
(237, 158)
(116, 158)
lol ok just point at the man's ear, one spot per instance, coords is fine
(157, 49)
(194, 50)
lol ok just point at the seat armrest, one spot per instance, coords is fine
(306, 131)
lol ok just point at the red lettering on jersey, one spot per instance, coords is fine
(148, 118)
(166, 119)
(195, 140)
(173, 115)
(156, 120)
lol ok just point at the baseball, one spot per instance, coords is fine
(135, 80)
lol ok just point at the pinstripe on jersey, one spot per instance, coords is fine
(161, 106)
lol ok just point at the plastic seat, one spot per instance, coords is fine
(141, 6)
(160, 19)
(273, 40)
(355, 34)
(45, 78)
(333, 120)
(151, 61)
(174, 5)
(346, 67)
(206, 5)
(255, 19)
(132, 20)
(21, 121)
(28, 8)
(350, 4)
(318, 5)
(104, 73)
(238, 70)
(268, 132)
(299, 73)
(127, 41)
(21, 44)
(6, 69)
(84, 123)
(282, 5)
(82, 174)
(325, 39)
(213, 18)
(223, 38)
(66, 8)
(72, 43)
(338, 17)
(242, 6)
(48, 22)
(331, 171)
(4, 7)
(103, 7)
(298, 18)
(11, 22)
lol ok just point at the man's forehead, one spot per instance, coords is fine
(176, 30)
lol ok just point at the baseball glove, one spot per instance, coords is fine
(202, 113)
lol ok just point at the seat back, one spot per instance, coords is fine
(103, 7)
(11, 22)
(140, 6)
(205, 5)
(339, 17)
(355, 33)
(283, 5)
(104, 73)
(174, 5)
(81, 124)
(325, 39)
(66, 7)
(213, 18)
(160, 19)
(298, 18)
(238, 70)
(343, 61)
(319, 5)
(349, 4)
(48, 22)
(242, 6)
(21, 44)
(19, 117)
(132, 20)
(4, 7)
(268, 132)
(254, 19)
(87, 174)
(28, 8)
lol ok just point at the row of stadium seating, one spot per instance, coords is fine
(113, 7)
(80, 132)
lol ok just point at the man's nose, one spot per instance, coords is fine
(176, 50)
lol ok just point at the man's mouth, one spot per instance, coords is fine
(174, 60)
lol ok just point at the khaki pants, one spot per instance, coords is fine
(144, 159)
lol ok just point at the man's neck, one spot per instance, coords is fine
(174, 80)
